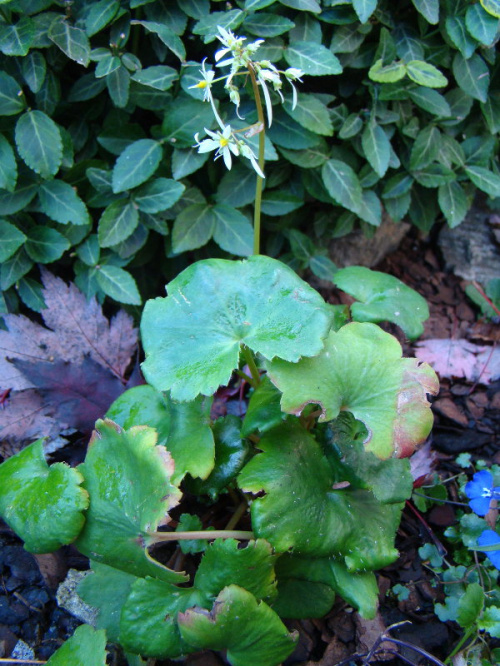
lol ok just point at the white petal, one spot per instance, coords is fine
(226, 154)
(269, 106)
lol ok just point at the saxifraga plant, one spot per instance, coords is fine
(316, 470)
(401, 113)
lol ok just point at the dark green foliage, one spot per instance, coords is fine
(399, 109)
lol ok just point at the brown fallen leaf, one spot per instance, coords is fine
(75, 328)
(63, 375)
(461, 359)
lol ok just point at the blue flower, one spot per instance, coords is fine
(480, 491)
(490, 538)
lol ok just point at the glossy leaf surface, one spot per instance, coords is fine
(383, 298)
(192, 338)
(251, 632)
(128, 479)
(87, 647)
(32, 493)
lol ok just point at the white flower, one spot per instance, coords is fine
(247, 152)
(293, 74)
(223, 143)
(206, 81)
(241, 55)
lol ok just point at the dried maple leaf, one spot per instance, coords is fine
(460, 358)
(76, 328)
(64, 375)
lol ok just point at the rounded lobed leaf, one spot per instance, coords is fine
(128, 479)
(361, 370)
(192, 338)
(251, 632)
(304, 510)
(87, 647)
(383, 298)
(43, 505)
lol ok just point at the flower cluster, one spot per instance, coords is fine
(481, 492)
(238, 55)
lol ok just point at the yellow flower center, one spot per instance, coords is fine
(223, 142)
(201, 84)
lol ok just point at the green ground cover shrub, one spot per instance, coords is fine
(400, 110)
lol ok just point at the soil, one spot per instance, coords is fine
(467, 418)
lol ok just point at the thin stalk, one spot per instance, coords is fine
(235, 518)
(157, 537)
(258, 186)
(251, 365)
(458, 647)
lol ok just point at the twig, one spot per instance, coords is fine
(488, 300)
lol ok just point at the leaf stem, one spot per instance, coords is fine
(157, 537)
(251, 365)
(260, 180)
(458, 647)
(235, 518)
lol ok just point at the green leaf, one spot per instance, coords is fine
(237, 187)
(196, 8)
(481, 25)
(39, 143)
(166, 35)
(431, 101)
(425, 74)
(45, 245)
(377, 147)
(109, 64)
(208, 25)
(100, 15)
(184, 118)
(118, 284)
(322, 267)
(301, 245)
(470, 606)
(429, 10)
(276, 202)
(286, 133)
(391, 73)
(118, 221)
(8, 165)
(490, 619)
(72, 41)
(397, 186)
(34, 70)
(107, 589)
(231, 452)
(485, 180)
(383, 298)
(87, 647)
(118, 83)
(346, 39)
(12, 100)
(303, 592)
(434, 175)
(232, 231)
(459, 35)
(249, 631)
(31, 294)
(60, 202)
(251, 567)
(128, 480)
(158, 195)
(184, 428)
(159, 77)
(31, 493)
(303, 5)
(302, 509)
(342, 184)
(12, 239)
(14, 268)
(425, 148)
(136, 164)
(291, 321)
(313, 59)
(267, 25)
(16, 40)
(264, 410)
(187, 161)
(193, 227)
(311, 113)
(453, 203)
(148, 619)
(309, 158)
(472, 75)
(331, 380)
(492, 7)
(364, 8)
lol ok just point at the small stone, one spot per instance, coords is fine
(68, 598)
(22, 651)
